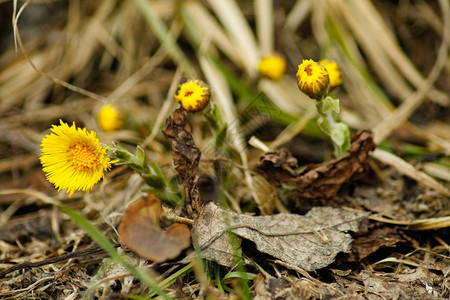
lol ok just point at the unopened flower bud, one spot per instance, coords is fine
(333, 72)
(313, 79)
(110, 118)
(194, 95)
(272, 67)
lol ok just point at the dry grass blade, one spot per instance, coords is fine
(365, 95)
(265, 25)
(234, 22)
(291, 131)
(393, 49)
(20, 161)
(423, 224)
(297, 15)
(388, 125)
(427, 13)
(208, 28)
(131, 81)
(165, 109)
(285, 95)
(437, 171)
(385, 51)
(164, 36)
(407, 169)
(365, 100)
(382, 65)
(56, 80)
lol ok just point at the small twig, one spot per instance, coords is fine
(174, 218)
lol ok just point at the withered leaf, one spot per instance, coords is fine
(310, 242)
(186, 155)
(323, 181)
(140, 231)
(319, 181)
(370, 242)
(275, 166)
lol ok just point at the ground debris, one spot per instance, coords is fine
(310, 242)
(186, 155)
(370, 241)
(387, 286)
(276, 166)
(37, 225)
(324, 180)
(140, 231)
(284, 288)
(113, 279)
(320, 181)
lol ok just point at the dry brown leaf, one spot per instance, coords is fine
(324, 180)
(186, 155)
(140, 231)
(319, 181)
(275, 166)
(373, 240)
(310, 242)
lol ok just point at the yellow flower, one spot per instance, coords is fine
(110, 118)
(312, 79)
(193, 95)
(73, 158)
(333, 71)
(272, 67)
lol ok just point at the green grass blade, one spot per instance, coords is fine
(162, 33)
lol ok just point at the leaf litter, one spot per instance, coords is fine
(140, 231)
(310, 242)
(320, 181)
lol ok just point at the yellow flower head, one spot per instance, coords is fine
(73, 158)
(193, 95)
(272, 67)
(313, 79)
(333, 71)
(110, 118)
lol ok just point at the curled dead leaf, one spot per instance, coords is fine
(320, 181)
(369, 242)
(275, 166)
(324, 180)
(140, 231)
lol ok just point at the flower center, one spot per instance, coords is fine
(83, 157)
(188, 93)
(308, 70)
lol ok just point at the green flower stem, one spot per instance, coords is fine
(153, 176)
(214, 119)
(328, 122)
(168, 192)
